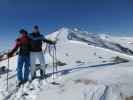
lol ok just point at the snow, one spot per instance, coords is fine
(89, 73)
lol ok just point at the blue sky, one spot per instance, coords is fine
(98, 16)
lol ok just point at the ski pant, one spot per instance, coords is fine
(23, 68)
(34, 56)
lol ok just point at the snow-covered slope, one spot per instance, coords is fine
(90, 72)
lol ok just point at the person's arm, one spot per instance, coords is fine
(41, 38)
(48, 41)
(17, 45)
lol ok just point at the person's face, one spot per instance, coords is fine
(21, 35)
(34, 30)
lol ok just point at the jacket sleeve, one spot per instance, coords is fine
(47, 41)
(17, 45)
(41, 37)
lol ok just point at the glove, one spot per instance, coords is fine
(9, 55)
(53, 42)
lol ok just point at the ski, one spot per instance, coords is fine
(14, 91)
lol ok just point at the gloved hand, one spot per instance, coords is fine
(9, 55)
(53, 42)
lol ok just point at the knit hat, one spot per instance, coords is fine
(21, 31)
(36, 27)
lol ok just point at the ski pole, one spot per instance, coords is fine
(55, 58)
(53, 64)
(52, 52)
(55, 67)
(8, 70)
(44, 57)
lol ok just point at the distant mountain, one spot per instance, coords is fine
(66, 34)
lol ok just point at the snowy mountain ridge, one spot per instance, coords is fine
(103, 40)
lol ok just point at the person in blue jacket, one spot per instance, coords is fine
(37, 39)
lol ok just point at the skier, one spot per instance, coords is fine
(23, 44)
(36, 40)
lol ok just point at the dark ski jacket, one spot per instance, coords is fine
(36, 42)
(23, 44)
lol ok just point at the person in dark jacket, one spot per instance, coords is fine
(36, 40)
(23, 44)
